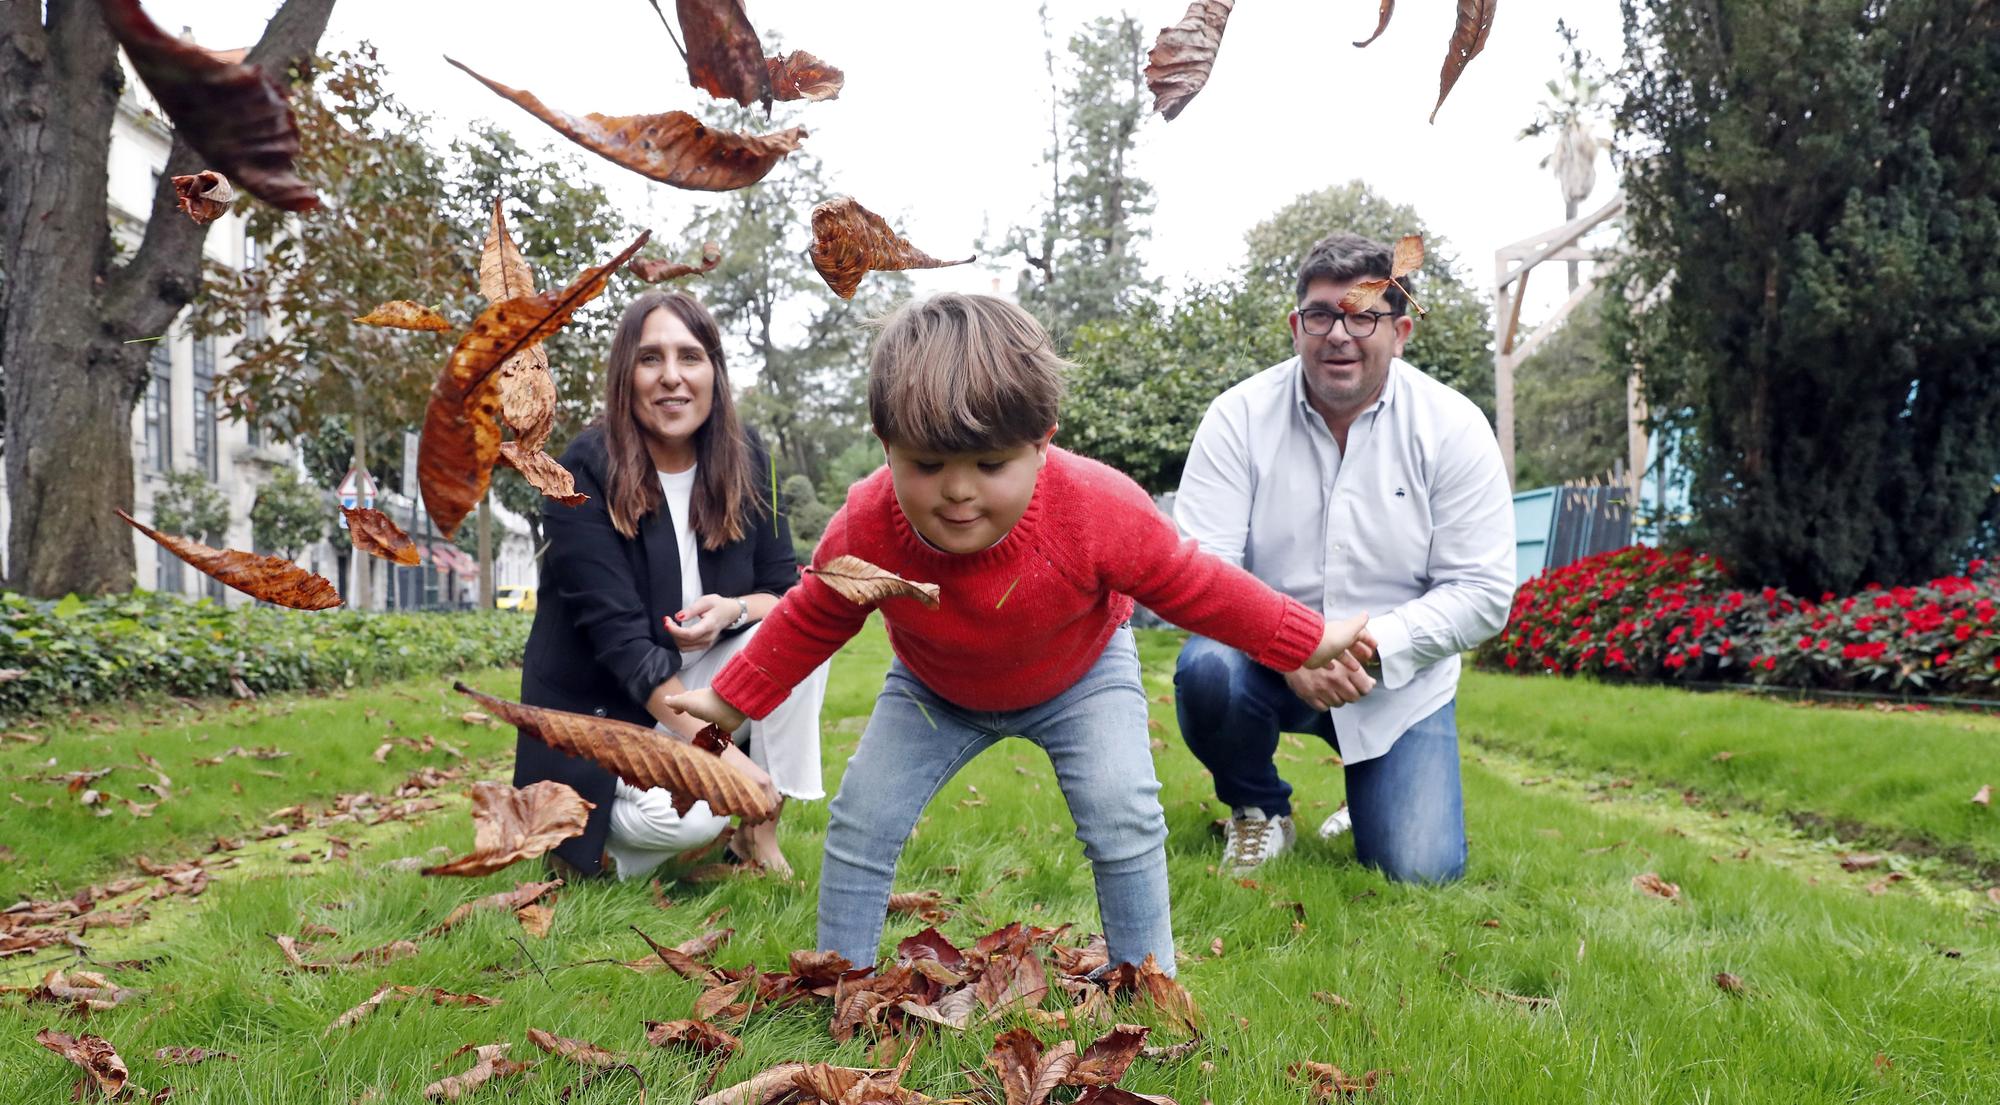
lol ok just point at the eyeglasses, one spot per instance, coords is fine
(1318, 321)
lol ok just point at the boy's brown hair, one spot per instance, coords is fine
(963, 374)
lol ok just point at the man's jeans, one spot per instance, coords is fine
(1094, 733)
(1408, 808)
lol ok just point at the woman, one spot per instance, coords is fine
(654, 582)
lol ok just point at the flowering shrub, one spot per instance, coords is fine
(1640, 613)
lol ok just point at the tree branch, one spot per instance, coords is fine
(165, 274)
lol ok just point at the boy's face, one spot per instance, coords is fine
(964, 502)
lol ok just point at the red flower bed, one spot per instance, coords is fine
(1640, 613)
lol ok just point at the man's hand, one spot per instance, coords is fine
(702, 622)
(1326, 688)
(708, 706)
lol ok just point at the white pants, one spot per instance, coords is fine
(645, 830)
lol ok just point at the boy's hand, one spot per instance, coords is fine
(1347, 641)
(708, 706)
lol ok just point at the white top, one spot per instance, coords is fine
(1414, 524)
(679, 487)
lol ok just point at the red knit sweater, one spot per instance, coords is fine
(1022, 621)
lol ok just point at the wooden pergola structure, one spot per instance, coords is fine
(1512, 265)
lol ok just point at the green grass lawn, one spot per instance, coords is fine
(1849, 995)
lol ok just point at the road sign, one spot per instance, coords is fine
(357, 489)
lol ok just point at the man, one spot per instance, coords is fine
(1349, 480)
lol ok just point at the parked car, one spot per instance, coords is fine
(518, 596)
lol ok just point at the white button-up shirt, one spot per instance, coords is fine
(1414, 523)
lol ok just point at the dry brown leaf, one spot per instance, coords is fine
(1728, 983)
(1365, 295)
(1329, 1081)
(581, 1052)
(1015, 977)
(544, 472)
(724, 57)
(1409, 257)
(1328, 997)
(461, 436)
(1468, 37)
(374, 533)
(1105, 1061)
(705, 945)
(503, 273)
(536, 919)
(864, 584)
(266, 578)
(1113, 1095)
(762, 1088)
(1859, 861)
(653, 270)
(528, 397)
(406, 314)
(1178, 64)
(82, 991)
(801, 76)
(720, 1002)
(491, 1062)
(954, 1010)
(673, 147)
(699, 1035)
(640, 756)
(925, 905)
(99, 1060)
(1167, 995)
(190, 1056)
(1983, 796)
(850, 241)
(205, 195)
(522, 896)
(1657, 887)
(236, 116)
(510, 825)
(1027, 1074)
(1381, 23)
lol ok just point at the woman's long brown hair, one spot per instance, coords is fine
(725, 501)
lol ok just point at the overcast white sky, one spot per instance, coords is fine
(944, 117)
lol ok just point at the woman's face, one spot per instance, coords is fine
(673, 387)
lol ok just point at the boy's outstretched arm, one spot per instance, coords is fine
(708, 706)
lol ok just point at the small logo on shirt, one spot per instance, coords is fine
(1399, 493)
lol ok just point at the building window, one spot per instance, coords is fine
(206, 456)
(166, 571)
(160, 410)
(253, 259)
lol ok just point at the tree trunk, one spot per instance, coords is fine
(68, 313)
(1569, 216)
(360, 595)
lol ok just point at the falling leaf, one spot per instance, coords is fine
(510, 825)
(801, 76)
(1468, 37)
(544, 472)
(265, 578)
(672, 147)
(1728, 983)
(519, 898)
(492, 1062)
(654, 270)
(99, 1060)
(461, 435)
(1365, 295)
(1382, 22)
(1409, 256)
(864, 584)
(724, 57)
(638, 755)
(580, 1052)
(406, 314)
(205, 196)
(1178, 64)
(849, 241)
(1657, 887)
(1983, 796)
(528, 397)
(375, 534)
(503, 273)
(236, 116)
(699, 1035)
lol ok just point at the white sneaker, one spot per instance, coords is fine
(1336, 823)
(1251, 839)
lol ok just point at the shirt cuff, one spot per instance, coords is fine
(1393, 648)
(749, 688)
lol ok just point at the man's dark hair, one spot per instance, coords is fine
(1341, 257)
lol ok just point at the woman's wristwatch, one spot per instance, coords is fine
(742, 614)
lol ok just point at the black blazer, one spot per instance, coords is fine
(599, 643)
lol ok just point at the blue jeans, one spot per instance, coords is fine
(1407, 804)
(1095, 735)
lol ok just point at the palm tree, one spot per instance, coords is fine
(1571, 111)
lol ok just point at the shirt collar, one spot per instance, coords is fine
(1390, 386)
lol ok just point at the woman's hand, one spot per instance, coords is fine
(734, 757)
(702, 622)
(708, 706)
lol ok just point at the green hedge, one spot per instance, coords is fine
(121, 647)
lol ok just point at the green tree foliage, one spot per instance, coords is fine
(289, 515)
(1453, 342)
(1813, 222)
(189, 505)
(1569, 404)
(808, 515)
(1083, 261)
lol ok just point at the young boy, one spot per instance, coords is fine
(1039, 554)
